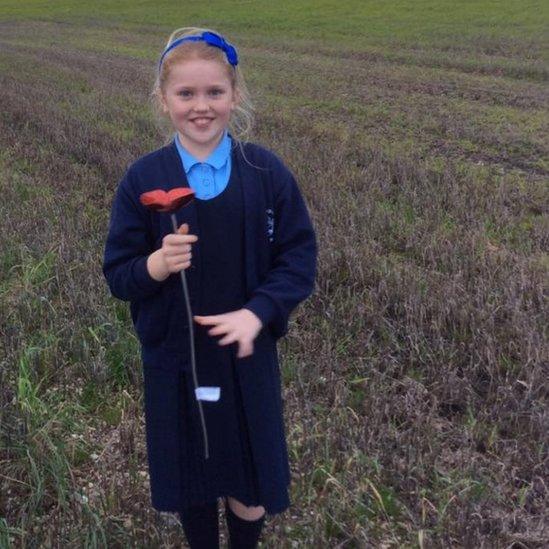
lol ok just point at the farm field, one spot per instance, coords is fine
(414, 378)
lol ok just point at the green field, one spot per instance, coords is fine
(414, 378)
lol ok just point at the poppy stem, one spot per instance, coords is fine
(191, 337)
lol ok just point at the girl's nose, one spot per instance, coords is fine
(201, 104)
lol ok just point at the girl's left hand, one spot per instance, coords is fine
(241, 325)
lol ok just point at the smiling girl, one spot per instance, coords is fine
(250, 253)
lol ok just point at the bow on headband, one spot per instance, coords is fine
(211, 39)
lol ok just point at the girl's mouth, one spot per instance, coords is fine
(201, 122)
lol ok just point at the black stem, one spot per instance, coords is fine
(191, 337)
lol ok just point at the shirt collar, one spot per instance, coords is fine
(217, 159)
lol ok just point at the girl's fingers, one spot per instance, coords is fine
(230, 338)
(178, 249)
(214, 319)
(179, 239)
(245, 349)
(218, 330)
(180, 257)
(176, 264)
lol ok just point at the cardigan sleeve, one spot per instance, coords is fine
(293, 270)
(128, 247)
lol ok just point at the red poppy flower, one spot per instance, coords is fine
(162, 201)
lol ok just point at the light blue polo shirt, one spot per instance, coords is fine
(209, 177)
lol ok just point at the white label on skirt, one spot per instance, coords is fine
(207, 393)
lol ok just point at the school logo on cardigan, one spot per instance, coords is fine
(270, 224)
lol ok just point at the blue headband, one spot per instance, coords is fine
(211, 39)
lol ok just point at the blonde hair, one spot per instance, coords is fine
(241, 121)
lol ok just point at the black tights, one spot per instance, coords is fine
(201, 528)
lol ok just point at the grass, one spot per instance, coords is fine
(425, 21)
(413, 378)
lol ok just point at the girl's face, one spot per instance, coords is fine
(199, 98)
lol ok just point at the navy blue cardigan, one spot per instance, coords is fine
(280, 247)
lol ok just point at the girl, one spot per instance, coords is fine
(250, 253)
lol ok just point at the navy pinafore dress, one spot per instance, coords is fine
(217, 284)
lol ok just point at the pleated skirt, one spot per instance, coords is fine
(174, 427)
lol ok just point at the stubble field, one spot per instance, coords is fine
(414, 378)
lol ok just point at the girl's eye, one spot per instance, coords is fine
(214, 92)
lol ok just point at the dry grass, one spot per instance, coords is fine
(414, 377)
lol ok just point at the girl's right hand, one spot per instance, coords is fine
(176, 249)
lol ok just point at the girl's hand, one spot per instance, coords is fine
(176, 249)
(241, 325)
